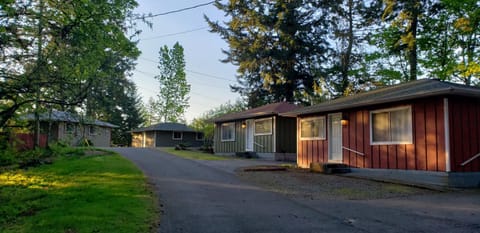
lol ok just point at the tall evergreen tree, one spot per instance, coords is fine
(173, 96)
(280, 48)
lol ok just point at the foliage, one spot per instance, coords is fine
(280, 48)
(172, 99)
(100, 193)
(204, 124)
(54, 52)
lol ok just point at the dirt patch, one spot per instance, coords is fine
(301, 183)
(264, 168)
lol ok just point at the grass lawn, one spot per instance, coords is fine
(188, 154)
(92, 193)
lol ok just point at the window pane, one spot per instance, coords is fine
(228, 131)
(401, 125)
(263, 126)
(312, 128)
(380, 127)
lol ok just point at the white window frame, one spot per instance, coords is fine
(173, 135)
(227, 124)
(322, 130)
(389, 110)
(265, 133)
(199, 139)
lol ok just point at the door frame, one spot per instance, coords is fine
(330, 137)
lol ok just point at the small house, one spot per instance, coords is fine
(258, 132)
(73, 129)
(426, 127)
(166, 135)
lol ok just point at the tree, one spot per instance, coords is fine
(204, 124)
(55, 51)
(453, 41)
(280, 47)
(172, 98)
(352, 22)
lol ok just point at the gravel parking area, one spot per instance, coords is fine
(303, 184)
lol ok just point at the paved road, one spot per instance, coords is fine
(197, 198)
(201, 196)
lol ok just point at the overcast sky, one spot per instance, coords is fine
(209, 78)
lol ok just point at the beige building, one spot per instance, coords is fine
(71, 129)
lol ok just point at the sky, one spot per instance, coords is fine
(209, 78)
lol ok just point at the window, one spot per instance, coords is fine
(228, 131)
(199, 136)
(263, 126)
(391, 126)
(177, 135)
(69, 128)
(312, 128)
(92, 130)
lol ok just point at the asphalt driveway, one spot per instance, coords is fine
(200, 196)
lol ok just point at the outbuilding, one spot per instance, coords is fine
(166, 135)
(427, 127)
(258, 132)
(72, 129)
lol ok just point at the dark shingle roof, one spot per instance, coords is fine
(178, 127)
(265, 110)
(68, 117)
(407, 91)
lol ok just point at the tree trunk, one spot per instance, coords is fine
(412, 51)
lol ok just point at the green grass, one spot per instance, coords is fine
(97, 193)
(188, 154)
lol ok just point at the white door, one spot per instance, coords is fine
(335, 137)
(249, 135)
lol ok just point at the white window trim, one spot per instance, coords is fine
(312, 138)
(173, 135)
(221, 132)
(255, 127)
(391, 142)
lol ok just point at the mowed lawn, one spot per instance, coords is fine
(89, 193)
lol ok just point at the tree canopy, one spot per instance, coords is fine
(64, 55)
(304, 52)
(172, 99)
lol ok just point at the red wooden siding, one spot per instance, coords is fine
(25, 141)
(426, 153)
(464, 118)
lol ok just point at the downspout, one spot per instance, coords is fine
(447, 135)
(274, 129)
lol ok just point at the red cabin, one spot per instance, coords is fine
(426, 125)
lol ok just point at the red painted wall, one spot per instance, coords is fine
(464, 121)
(426, 153)
(24, 141)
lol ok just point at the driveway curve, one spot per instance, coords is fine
(199, 198)
(207, 196)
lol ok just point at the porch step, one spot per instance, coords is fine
(247, 154)
(329, 168)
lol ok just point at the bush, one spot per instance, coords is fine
(85, 142)
(7, 156)
(60, 148)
